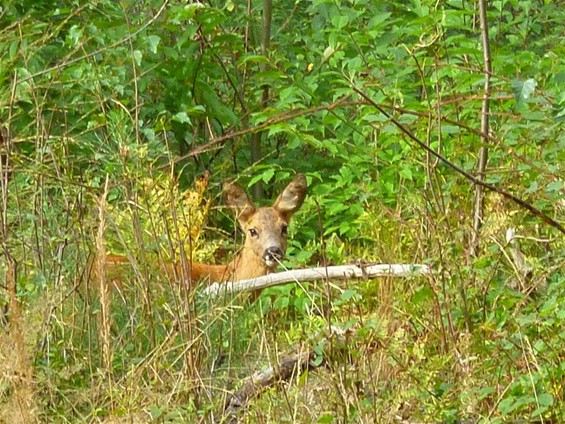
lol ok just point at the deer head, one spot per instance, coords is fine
(265, 227)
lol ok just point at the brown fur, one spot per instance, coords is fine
(265, 228)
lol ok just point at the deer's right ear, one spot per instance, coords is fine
(237, 199)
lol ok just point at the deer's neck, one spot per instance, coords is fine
(245, 265)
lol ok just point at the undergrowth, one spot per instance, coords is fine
(120, 120)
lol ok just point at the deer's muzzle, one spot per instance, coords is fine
(272, 256)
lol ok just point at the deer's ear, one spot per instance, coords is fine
(292, 197)
(237, 199)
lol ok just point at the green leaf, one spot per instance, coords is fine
(213, 104)
(422, 294)
(253, 58)
(555, 186)
(74, 36)
(155, 412)
(281, 303)
(137, 56)
(191, 9)
(181, 117)
(319, 349)
(378, 20)
(153, 41)
(348, 294)
(513, 403)
(340, 21)
(328, 52)
(505, 405)
(545, 399)
(268, 175)
(406, 172)
(523, 89)
(485, 392)
(270, 75)
(450, 129)
(14, 49)
(326, 418)
(532, 188)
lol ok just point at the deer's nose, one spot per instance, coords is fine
(272, 255)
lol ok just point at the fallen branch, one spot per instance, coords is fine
(291, 366)
(288, 367)
(341, 272)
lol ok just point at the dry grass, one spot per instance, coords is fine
(19, 399)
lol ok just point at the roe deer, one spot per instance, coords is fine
(265, 233)
(265, 238)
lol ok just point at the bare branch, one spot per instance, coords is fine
(533, 210)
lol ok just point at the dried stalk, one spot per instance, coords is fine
(478, 208)
(104, 332)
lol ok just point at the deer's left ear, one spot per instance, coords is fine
(292, 197)
(237, 199)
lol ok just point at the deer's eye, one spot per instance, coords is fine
(284, 229)
(253, 232)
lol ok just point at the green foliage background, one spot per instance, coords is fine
(97, 92)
